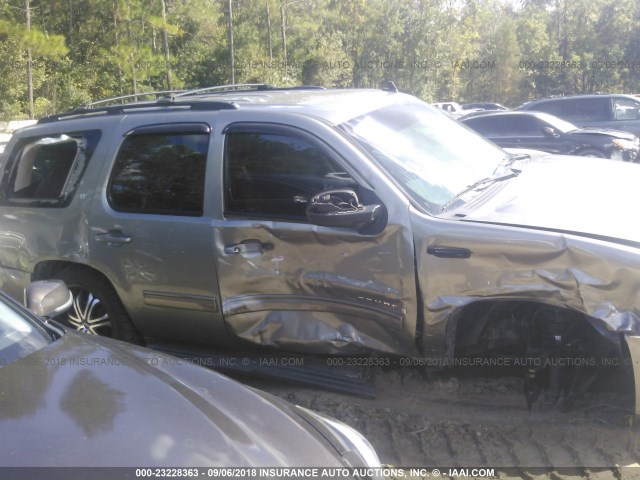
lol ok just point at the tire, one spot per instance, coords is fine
(96, 307)
(592, 152)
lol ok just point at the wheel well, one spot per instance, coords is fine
(101, 287)
(50, 268)
(592, 149)
(560, 352)
(527, 328)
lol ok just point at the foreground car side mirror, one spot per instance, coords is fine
(340, 208)
(549, 132)
(47, 298)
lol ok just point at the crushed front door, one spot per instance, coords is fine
(286, 282)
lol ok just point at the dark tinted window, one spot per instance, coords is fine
(578, 109)
(593, 109)
(559, 108)
(275, 174)
(160, 173)
(487, 126)
(523, 125)
(46, 171)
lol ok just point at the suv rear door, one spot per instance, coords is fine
(150, 234)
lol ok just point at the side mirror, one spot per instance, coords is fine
(549, 132)
(340, 208)
(47, 298)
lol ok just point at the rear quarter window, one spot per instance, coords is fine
(489, 126)
(45, 171)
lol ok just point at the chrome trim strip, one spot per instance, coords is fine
(201, 303)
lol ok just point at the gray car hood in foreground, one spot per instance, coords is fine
(91, 401)
(586, 196)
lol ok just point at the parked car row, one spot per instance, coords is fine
(456, 110)
(600, 125)
(541, 131)
(615, 111)
(619, 112)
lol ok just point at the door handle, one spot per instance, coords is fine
(113, 238)
(248, 246)
(448, 252)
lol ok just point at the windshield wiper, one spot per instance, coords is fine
(509, 160)
(518, 156)
(484, 183)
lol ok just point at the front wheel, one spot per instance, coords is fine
(96, 307)
(591, 152)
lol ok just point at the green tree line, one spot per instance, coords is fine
(58, 54)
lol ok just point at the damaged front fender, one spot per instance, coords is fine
(597, 278)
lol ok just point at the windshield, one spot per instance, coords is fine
(430, 156)
(19, 335)
(557, 123)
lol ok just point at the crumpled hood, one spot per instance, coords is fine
(608, 132)
(92, 401)
(587, 196)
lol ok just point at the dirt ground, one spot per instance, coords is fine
(480, 419)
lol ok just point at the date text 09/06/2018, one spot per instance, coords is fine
(312, 472)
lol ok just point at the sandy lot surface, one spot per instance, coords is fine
(479, 418)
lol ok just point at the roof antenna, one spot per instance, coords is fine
(389, 86)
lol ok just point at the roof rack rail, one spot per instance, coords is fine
(222, 88)
(167, 99)
(243, 87)
(162, 103)
(157, 94)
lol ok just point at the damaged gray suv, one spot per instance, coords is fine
(323, 221)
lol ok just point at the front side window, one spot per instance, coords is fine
(160, 173)
(274, 173)
(46, 171)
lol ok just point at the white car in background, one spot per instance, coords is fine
(452, 108)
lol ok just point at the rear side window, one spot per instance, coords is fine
(487, 126)
(559, 108)
(578, 109)
(593, 109)
(46, 171)
(160, 173)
